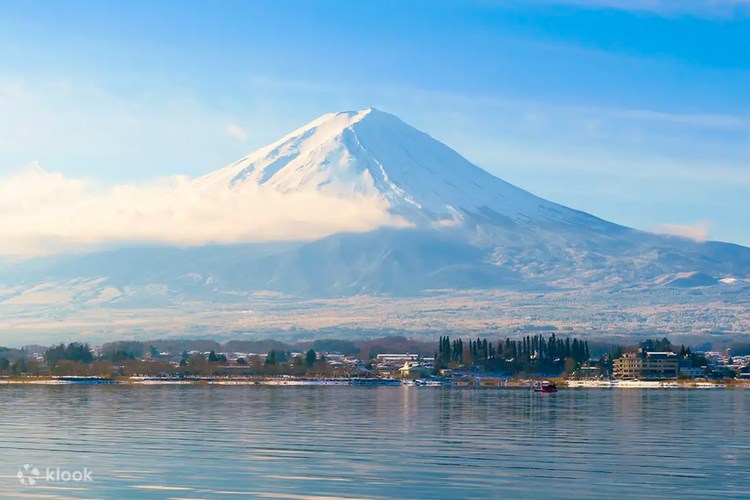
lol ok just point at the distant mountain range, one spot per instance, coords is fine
(449, 225)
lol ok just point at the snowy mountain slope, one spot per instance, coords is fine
(460, 228)
(372, 154)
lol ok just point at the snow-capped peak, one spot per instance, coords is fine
(373, 154)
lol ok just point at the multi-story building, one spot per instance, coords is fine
(647, 365)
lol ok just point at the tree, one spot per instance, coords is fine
(102, 368)
(212, 358)
(54, 355)
(33, 367)
(80, 353)
(570, 365)
(310, 358)
(698, 360)
(299, 365)
(4, 365)
(271, 358)
(198, 365)
(616, 352)
(119, 356)
(19, 366)
(256, 363)
(75, 351)
(69, 367)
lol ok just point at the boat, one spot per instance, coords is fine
(428, 383)
(545, 386)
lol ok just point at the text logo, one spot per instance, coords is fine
(28, 475)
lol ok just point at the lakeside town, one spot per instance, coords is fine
(386, 361)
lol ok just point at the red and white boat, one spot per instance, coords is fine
(545, 387)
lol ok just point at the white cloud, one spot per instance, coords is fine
(235, 131)
(600, 159)
(45, 212)
(699, 231)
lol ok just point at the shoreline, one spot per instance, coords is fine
(353, 382)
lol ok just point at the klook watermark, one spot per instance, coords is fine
(28, 475)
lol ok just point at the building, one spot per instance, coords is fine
(413, 369)
(398, 359)
(647, 365)
(389, 365)
(589, 371)
(688, 370)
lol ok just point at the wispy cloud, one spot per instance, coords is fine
(45, 212)
(235, 131)
(700, 231)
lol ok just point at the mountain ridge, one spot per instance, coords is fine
(454, 228)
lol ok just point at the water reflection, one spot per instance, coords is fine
(376, 442)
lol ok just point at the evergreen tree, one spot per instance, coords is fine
(75, 351)
(271, 358)
(551, 351)
(310, 357)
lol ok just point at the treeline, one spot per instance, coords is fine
(364, 349)
(14, 362)
(78, 359)
(531, 354)
(19, 366)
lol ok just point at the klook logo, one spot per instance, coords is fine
(29, 475)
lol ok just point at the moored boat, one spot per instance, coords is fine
(545, 386)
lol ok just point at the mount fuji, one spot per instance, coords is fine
(449, 223)
(444, 226)
(370, 154)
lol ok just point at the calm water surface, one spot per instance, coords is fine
(381, 442)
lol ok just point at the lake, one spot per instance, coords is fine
(377, 442)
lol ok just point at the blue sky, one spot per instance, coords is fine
(637, 111)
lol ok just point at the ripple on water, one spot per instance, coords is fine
(382, 442)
